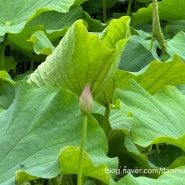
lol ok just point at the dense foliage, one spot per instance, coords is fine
(134, 65)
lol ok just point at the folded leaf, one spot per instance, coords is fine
(79, 58)
(118, 29)
(41, 44)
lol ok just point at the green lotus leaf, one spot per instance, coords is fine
(58, 21)
(41, 43)
(9, 63)
(95, 170)
(20, 12)
(45, 22)
(37, 125)
(6, 77)
(119, 121)
(20, 42)
(8, 94)
(176, 45)
(157, 119)
(136, 54)
(153, 77)
(118, 29)
(79, 58)
(175, 26)
(121, 145)
(94, 25)
(168, 10)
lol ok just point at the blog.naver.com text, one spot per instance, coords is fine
(125, 170)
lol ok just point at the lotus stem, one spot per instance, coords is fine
(82, 145)
(2, 50)
(129, 7)
(105, 125)
(104, 11)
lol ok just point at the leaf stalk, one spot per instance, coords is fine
(106, 125)
(2, 50)
(82, 145)
(104, 11)
(129, 7)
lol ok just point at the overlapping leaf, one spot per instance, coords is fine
(136, 54)
(58, 21)
(157, 119)
(41, 44)
(177, 45)
(153, 77)
(20, 42)
(168, 10)
(15, 14)
(37, 125)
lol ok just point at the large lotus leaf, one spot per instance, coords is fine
(157, 119)
(79, 58)
(53, 24)
(57, 21)
(168, 10)
(153, 77)
(14, 15)
(37, 125)
(136, 54)
(177, 45)
(175, 176)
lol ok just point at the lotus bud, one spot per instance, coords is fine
(86, 100)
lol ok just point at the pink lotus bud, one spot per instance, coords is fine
(86, 100)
